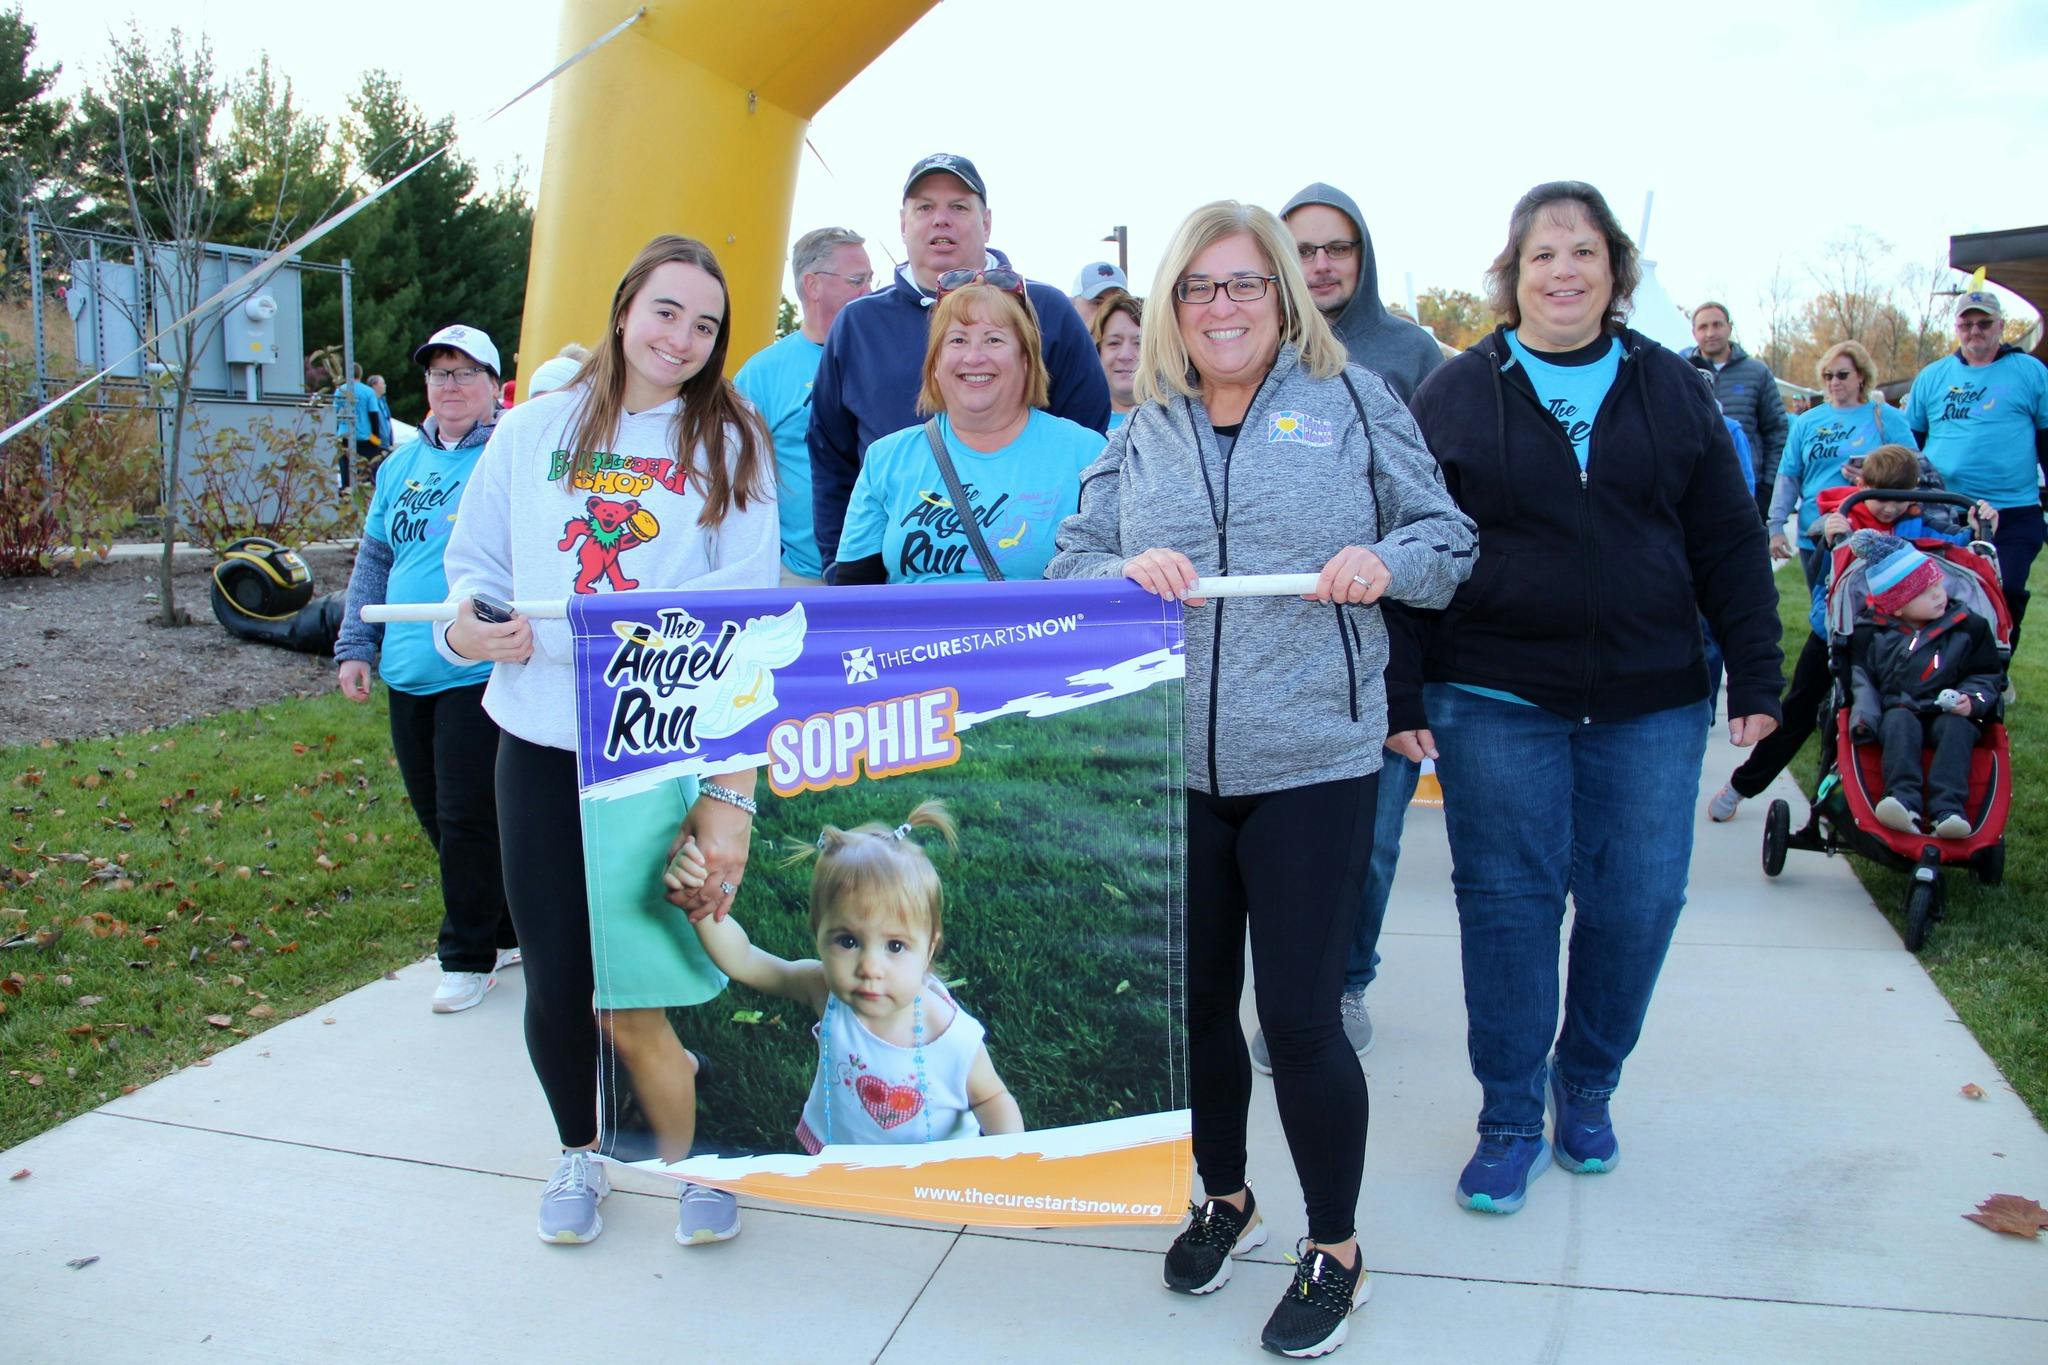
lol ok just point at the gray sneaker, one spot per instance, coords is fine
(1357, 1023)
(568, 1206)
(1357, 1031)
(706, 1215)
(1722, 808)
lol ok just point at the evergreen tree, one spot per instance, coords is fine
(30, 120)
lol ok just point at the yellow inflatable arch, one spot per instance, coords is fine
(690, 121)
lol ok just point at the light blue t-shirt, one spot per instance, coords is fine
(1117, 419)
(418, 489)
(356, 411)
(1573, 393)
(900, 508)
(1824, 439)
(777, 381)
(1980, 422)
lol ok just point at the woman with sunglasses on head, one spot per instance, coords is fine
(647, 469)
(988, 440)
(1256, 449)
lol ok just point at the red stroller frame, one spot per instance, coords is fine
(1842, 816)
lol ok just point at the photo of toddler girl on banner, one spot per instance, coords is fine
(953, 996)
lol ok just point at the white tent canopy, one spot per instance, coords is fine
(1656, 315)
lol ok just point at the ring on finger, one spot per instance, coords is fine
(728, 888)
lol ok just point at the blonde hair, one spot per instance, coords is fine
(1853, 352)
(1891, 466)
(879, 871)
(991, 307)
(1163, 366)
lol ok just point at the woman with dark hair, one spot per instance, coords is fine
(1118, 325)
(647, 469)
(1565, 684)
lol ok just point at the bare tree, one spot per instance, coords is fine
(1778, 306)
(1853, 285)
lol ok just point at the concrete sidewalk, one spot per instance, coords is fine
(360, 1184)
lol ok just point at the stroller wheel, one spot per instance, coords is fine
(1989, 865)
(1777, 833)
(1923, 904)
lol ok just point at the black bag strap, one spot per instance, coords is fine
(961, 507)
(1379, 532)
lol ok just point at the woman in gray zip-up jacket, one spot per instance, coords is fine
(1255, 449)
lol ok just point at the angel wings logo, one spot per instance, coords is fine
(677, 684)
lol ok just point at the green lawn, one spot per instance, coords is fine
(1990, 956)
(164, 894)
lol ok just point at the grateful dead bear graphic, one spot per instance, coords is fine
(611, 529)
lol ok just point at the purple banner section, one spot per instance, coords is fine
(826, 686)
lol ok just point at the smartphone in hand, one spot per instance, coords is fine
(489, 608)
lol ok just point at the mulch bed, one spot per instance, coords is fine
(82, 652)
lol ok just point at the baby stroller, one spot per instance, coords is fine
(1843, 816)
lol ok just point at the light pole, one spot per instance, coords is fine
(1121, 235)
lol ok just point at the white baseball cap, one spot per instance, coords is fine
(473, 342)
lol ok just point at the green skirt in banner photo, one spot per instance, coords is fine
(645, 953)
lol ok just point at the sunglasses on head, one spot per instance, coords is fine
(1008, 281)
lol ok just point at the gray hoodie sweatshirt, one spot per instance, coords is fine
(1394, 348)
(1280, 692)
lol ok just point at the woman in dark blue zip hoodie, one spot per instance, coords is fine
(1565, 685)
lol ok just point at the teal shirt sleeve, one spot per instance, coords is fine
(866, 518)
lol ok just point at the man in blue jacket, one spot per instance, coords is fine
(873, 363)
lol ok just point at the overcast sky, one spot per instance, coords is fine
(1764, 127)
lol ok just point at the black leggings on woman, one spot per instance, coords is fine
(1291, 863)
(541, 831)
(1808, 692)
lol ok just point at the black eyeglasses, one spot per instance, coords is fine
(468, 374)
(1240, 288)
(1338, 250)
(1009, 281)
(1838, 374)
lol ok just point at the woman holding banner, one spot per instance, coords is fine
(647, 468)
(1255, 449)
(1566, 686)
(989, 444)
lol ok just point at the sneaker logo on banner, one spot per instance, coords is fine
(1298, 428)
(860, 664)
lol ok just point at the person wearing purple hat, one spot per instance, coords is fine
(1981, 416)
(873, 364)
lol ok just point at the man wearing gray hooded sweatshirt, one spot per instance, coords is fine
(1343, 278)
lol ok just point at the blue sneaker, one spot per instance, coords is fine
(1496, 1179)
(1582, 1131)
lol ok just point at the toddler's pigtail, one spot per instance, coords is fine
(932, 814)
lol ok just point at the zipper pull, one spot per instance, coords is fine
(1582, 477)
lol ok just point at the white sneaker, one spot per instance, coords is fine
(461, 990)
(1722, 808)
(507, 957)
(1893, 814)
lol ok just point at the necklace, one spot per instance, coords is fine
(828, 1075)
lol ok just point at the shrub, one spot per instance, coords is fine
(102, 463)
(270, 480)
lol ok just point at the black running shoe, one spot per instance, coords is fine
(1199, 1259)
(1315, 1313)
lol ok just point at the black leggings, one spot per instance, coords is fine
(1292, 864)
(1808, 693)
(447, 749)
(540, 829)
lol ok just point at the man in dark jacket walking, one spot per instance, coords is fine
(869, 375)
(1747, 390)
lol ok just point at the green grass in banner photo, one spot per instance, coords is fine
(1060, 926)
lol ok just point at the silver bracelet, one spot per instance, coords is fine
(729, 797)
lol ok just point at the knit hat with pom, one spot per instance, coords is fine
(1898, 573)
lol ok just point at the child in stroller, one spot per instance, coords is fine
(1923, 671)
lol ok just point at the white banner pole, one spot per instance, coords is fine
(1238, 585)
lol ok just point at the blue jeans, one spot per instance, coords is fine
(1398, 776)
(1539, 807)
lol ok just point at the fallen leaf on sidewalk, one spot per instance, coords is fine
(81, 1262)
(328, 1020)
(21, 1174)
(1973, 1091)
(2011, 1215)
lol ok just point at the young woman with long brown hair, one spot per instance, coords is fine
(648, 470)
